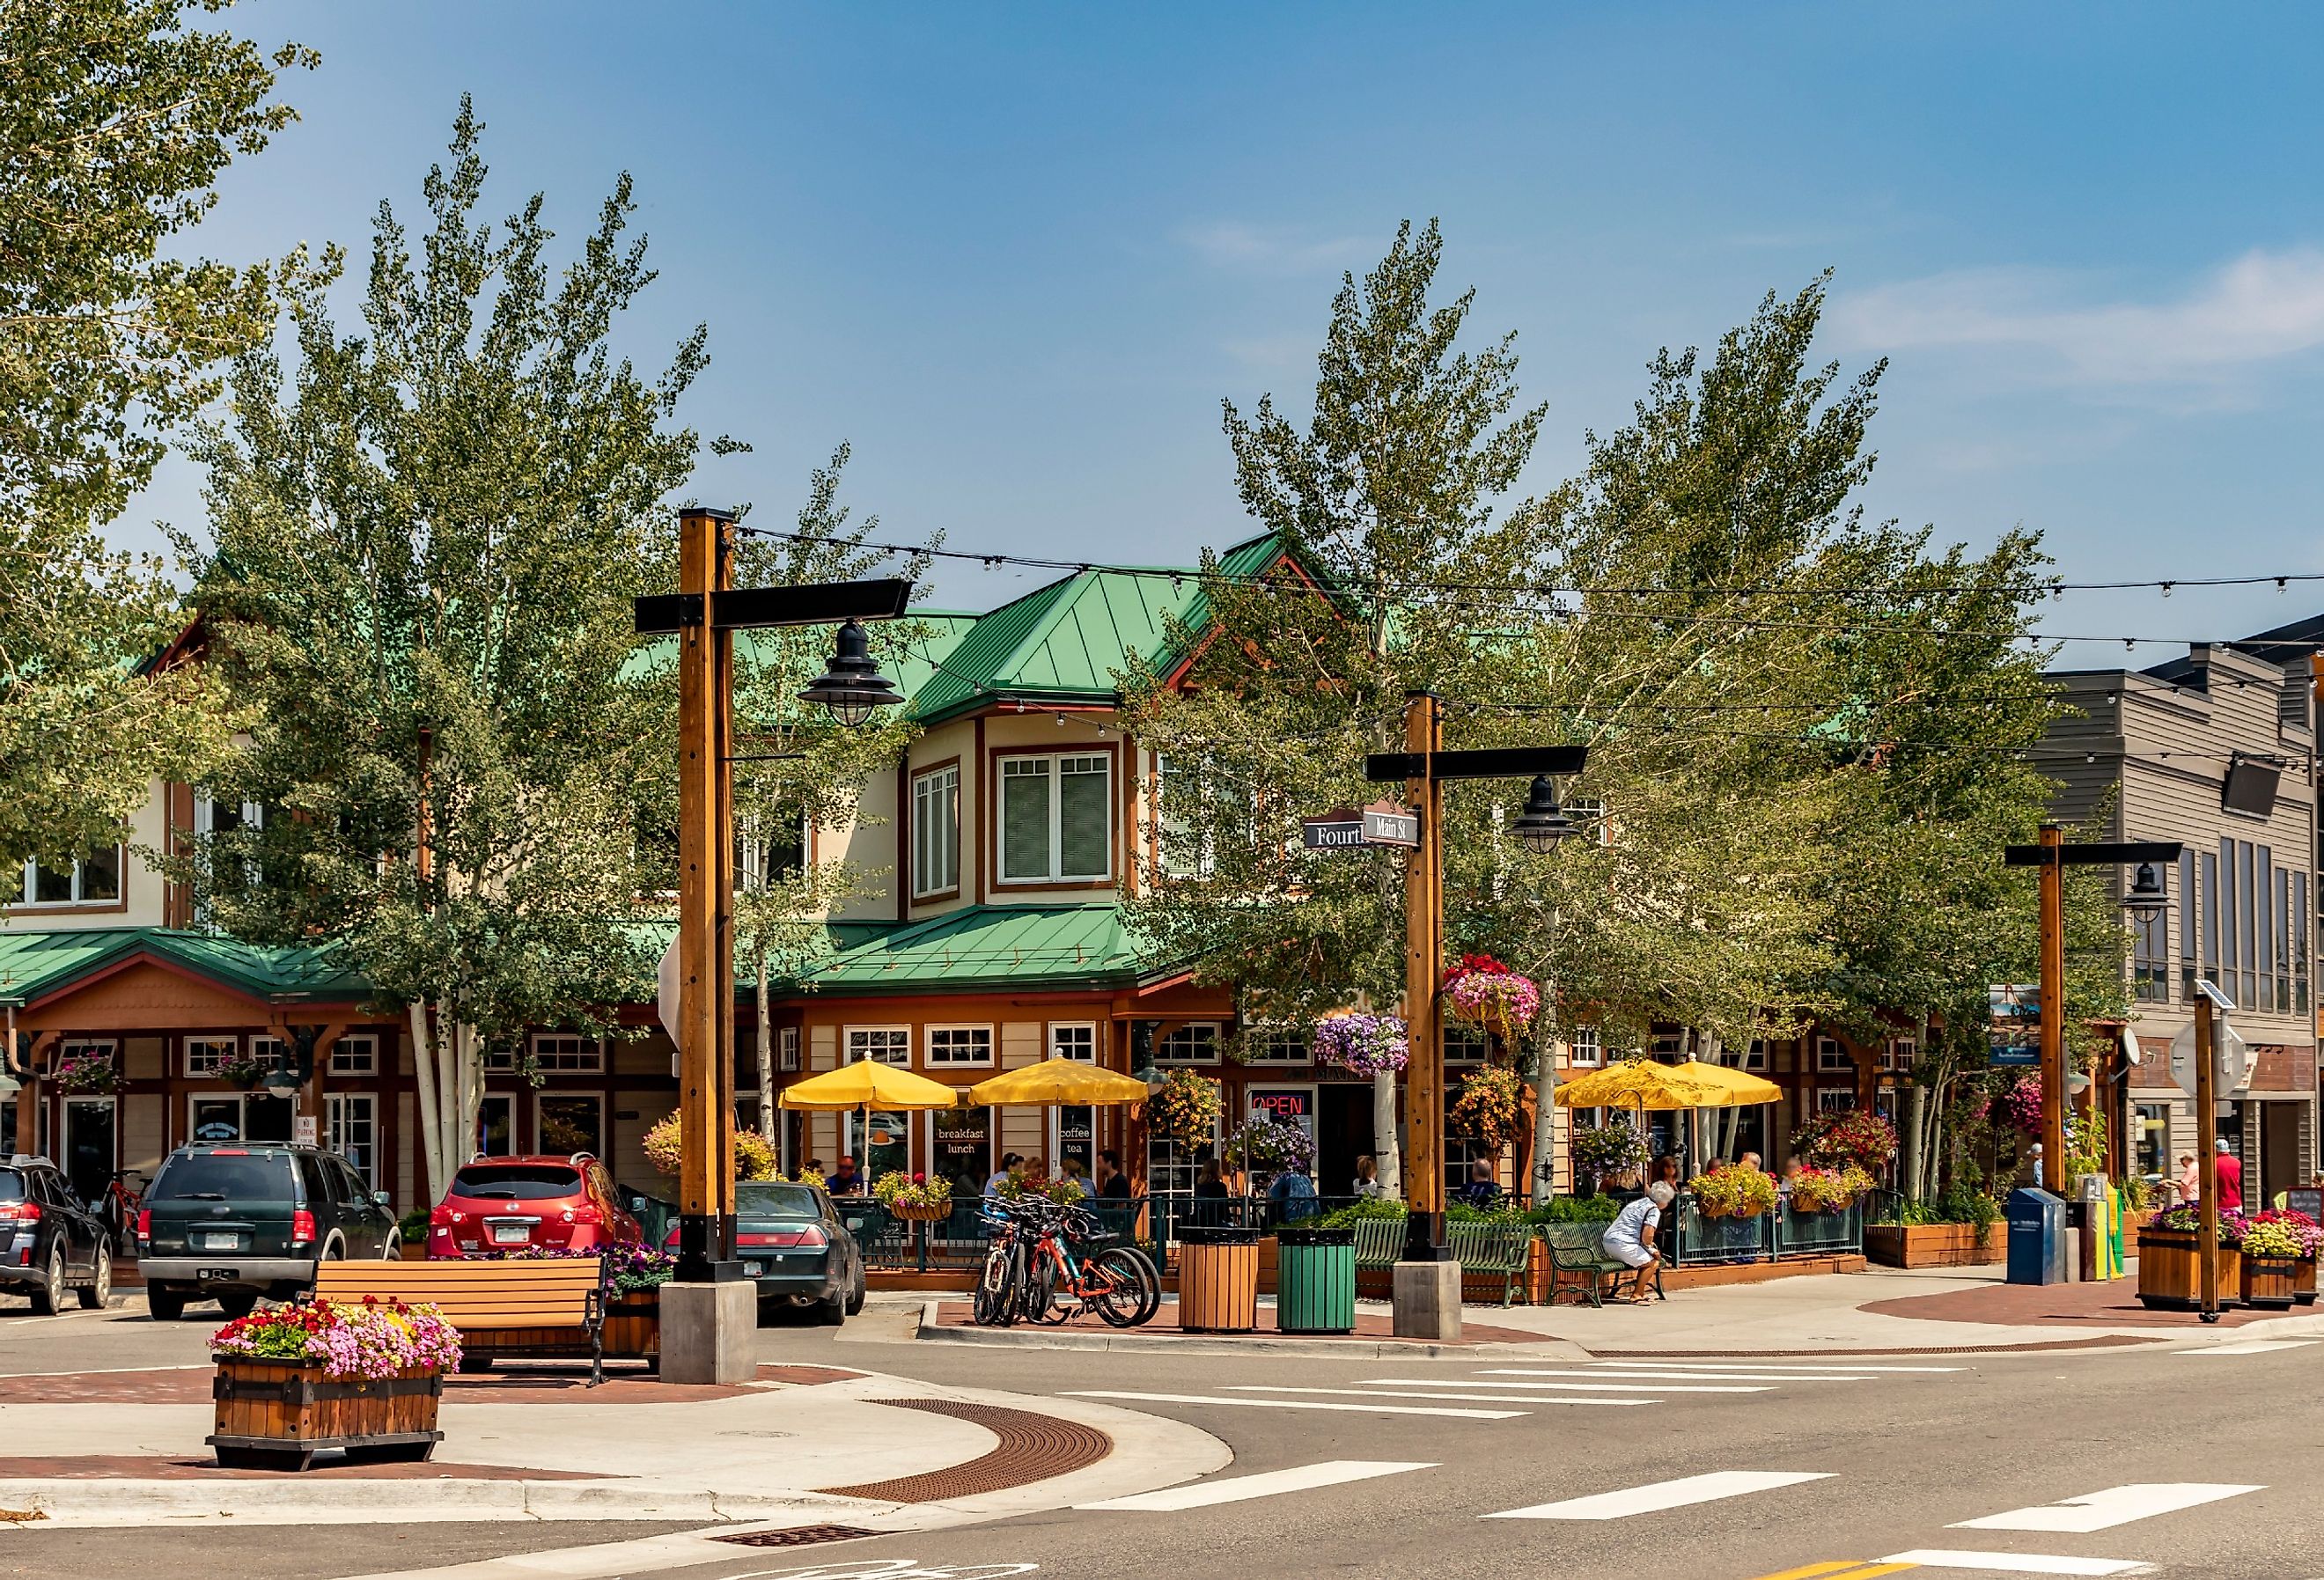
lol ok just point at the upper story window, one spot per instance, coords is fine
(207, 1056)
(771, 847)
(960, 1045)
(90, 881)
(1195, 1042)
(1831, 1056)
(567, 1053)
(1268, 1043)
(356, 1054)
(1587, 1048)
(1056, 819)
(1464, 1044)
(787, 1048)
(887, 1044)
(1074, 1039)
(936, 831)
(1180, 831)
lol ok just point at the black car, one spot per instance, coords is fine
(50, 1243)
(233, 1222)
(793, 1243)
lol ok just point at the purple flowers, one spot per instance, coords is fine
(375, 1339)
(1369, 1045)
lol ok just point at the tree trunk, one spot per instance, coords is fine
(766, 1056)
(1908, 1171)
(1387, 1155)
(1544, 1133)
(431, 1132)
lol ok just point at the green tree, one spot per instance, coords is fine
(425, 539)
(115, 119)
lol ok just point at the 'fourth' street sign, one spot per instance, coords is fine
(1346, 828)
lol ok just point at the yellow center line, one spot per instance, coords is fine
(1839, 1569)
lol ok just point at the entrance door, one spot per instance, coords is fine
(1344, 1133)
(89, 1157)
(267, 1118)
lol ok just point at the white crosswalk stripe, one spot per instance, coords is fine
(1803, 1367)
(1330, 1472)
(1477, 1398)
(1656, 1496)
(2257, 1346)
(1302, 1404)
(2014, 1563)
(1590, 1385)
(2103, 1510)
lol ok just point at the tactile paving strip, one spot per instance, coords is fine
(1033, 1447)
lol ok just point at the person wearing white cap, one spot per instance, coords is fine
(2230, 1177)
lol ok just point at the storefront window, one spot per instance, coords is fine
(961, 1148)
(2153, 1138)
(572, 1123)
(888, 1148)
(497, 1126)
(1076, 1136)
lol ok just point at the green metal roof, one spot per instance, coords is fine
(34, 964)
(1019, 947)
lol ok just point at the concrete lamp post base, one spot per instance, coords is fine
(709, 1332)
(1427, 1299)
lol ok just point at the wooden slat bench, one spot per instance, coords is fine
(550, 1308)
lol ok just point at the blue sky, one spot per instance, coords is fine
(1017, 255)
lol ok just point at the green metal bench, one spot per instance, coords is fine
(1379, 1242)
(1578, 1249)
(1492, 1248)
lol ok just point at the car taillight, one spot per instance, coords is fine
(145, 1223)
(302, 1228)
(585, 1214)
(670, 1241)
(807, 1238)
(442, 1216)
(21, 1212)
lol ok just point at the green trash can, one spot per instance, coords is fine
(1315, 1280)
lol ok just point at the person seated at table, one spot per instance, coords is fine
(1291, 1196)
(1073, 1180)
(1211, 1194)
(1629, 1238)
(1480, 1190)
(846, 1182)
(1748, 1160)
(1368, 1182)
(1008, 1170)
(1113, 1184)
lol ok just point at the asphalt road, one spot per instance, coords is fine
(1897, 1459)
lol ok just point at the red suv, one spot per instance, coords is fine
(523, 1204)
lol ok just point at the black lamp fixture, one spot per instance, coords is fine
(295, 1066)
(1544, 822)
(1141, 1053)
(853, 687)
(2146, 899)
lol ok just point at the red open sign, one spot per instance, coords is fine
(1283, 1105)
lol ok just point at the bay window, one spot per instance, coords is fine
(1056, 819)
(936, 831)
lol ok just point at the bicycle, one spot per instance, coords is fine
(998, 1285)
(116, 1207)
(1117, 1282)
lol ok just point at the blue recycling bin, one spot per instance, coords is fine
(2037, 1238)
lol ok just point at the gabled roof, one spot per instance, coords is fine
(34, 965)
(1065, 642)
(1020, 947)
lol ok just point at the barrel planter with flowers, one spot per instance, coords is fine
(2275, 1244)
(293, 1381)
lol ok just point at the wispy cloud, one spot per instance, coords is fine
(1271, 249)
(2261, 309)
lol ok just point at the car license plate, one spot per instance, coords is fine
(218, 1275)
(754, 1267)
(510, 1234)
(218, 1242)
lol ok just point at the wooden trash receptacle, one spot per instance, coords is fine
(1218, 1281)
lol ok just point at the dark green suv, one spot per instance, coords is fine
(232, 1223)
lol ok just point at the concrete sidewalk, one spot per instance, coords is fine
(1878, 1311)
(858, 1449)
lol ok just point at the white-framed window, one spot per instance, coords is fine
(1900, 1053)
(270, 1052)
(1464, 1043)
(1755, 1057)
(787, 1048)
(1831, 1056)
(1074, 1039)
(1585, 1047)
(1835, 1099)
(566, 1123)
(936, 831)
(1277, 1044)
(500, 1058)
(1056, 819)
(351, 1129)
(960, 1045)
(216, 816)
(357, 1054)
(91, 881)
(1666, 1045)
(887, 1044)
(1589, 815)
(567, 1053)
(770, 846)
(1181, 795)
(1195, 1042)
(207, 1056)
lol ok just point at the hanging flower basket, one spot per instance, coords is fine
(79, 1073)
(1610, 1148)
(1365, 1045)
(1485, 993)
(754, 1159)
(1185, 1110)
(1272, 1145)
(246, 1071)
(1857, 1138)
(1487, 1107)
(917, 1198)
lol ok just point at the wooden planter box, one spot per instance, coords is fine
(2171, 1274)
(1934, 1244)
(2303, 1282)
(2269, 1282)
(275, 1415)
(633, 1325)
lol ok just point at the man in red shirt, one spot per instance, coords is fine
(2231, 1179)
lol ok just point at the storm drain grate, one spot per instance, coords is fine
(1033, 1447)
(797, 1536)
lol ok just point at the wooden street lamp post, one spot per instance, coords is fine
(708, 1310)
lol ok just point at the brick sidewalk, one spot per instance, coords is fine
(2112, 1304)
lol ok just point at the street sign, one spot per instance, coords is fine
(2024, 1055)
(1347, 828)
(1342, 830)
(302, 1130)
(2232, 1058)
(1388, 824)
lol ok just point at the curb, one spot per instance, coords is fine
(276, 1502)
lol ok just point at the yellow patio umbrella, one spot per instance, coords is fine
(1057, 1083)
(1642, 1084)
(868, 1085)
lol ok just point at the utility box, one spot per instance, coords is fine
(2037, 1238)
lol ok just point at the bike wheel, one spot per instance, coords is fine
(1037, 1292)
(996, 1290)
(1149, 1283)
(1117, 1291)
